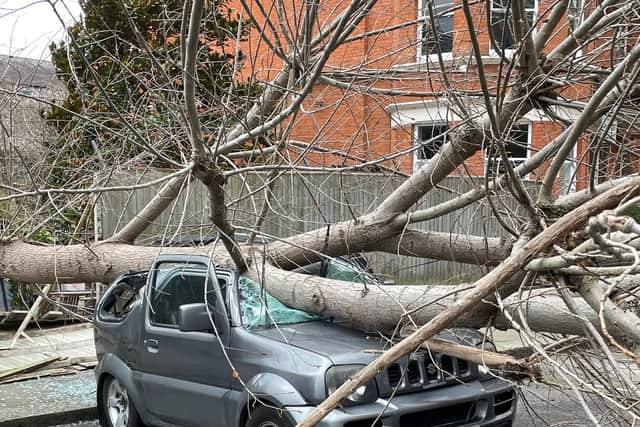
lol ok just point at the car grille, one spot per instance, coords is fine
(461, 413)
(463, 367)
(431, 370)
(502, 402)
(394, 372)
(413, 372)
(423, 371)
(446, 365)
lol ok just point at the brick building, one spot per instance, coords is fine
(383, 92)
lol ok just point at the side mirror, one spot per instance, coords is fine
(194, 318)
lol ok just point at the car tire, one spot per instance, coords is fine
(262, 416)
(115, 408)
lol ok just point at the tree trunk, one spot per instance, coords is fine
(352, 302)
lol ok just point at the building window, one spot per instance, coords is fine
(567, 175)
(623, 41)
(442, 38)
(603, 150)
(430, 139)
(502, 22)
(575, 14)
(517, 147)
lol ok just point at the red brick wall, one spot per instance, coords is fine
(359, 124)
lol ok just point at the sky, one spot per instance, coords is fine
(28, 26)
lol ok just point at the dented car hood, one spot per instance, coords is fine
(345, 345)
(340, 344)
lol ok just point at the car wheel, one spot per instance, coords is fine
(116, 409)
(267, 417)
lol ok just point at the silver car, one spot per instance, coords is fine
(187, 343)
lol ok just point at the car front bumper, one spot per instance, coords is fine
(488, 403)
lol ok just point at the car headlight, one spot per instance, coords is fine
(484, 373)
(338, 375)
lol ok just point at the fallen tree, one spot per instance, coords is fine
(105, 261)
(556, 264)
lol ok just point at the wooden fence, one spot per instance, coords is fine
(303, 202)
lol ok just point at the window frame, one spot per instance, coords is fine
(418, 162)
(575, 15)
(623, 49)
(569, 168)
(487, 158)
(107, 308)
(603, 171)
(423, 19)
(202, 269)
(509, 52)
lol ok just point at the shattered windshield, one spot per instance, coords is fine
(339, 269)
(255, 301)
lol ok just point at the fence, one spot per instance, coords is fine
(303, 202)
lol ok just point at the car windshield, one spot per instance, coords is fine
(259, 309)
(342, 269)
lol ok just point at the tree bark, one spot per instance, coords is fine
(102, 262)
(461, 248)
(352, 302)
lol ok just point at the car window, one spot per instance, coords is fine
(174, 287)
(259, 309)
(352, 268)
(121, 297)
(340, 269)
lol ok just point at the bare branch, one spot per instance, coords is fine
(150, 212)
(446, 246)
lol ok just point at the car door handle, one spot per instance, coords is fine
(152, 346)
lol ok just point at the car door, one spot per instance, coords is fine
(184, 375)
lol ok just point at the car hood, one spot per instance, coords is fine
(343, 345)
(340, 344)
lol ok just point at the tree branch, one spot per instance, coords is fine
(150, 212)
(446, 246)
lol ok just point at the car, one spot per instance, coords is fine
(188, 343)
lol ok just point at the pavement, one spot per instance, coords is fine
(56, 393)
(66, 342)
(48, 401)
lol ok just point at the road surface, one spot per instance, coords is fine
(552, 408)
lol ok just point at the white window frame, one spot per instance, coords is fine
(576, 6)
(612, 123)
(519, 160)
(510, 51)
(417, 162)
(423, 19)
(621, 52)
(568, 170)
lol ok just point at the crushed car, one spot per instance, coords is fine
(187, 343)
